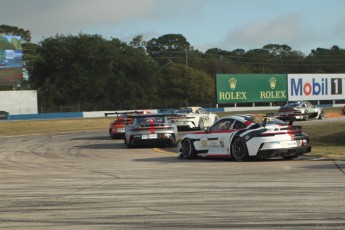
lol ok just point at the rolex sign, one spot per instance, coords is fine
(240, 88)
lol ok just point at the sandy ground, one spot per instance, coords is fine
(333, 114)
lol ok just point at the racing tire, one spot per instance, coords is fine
(187, 149)
(127, 144)
(201, 124)
(322, 114)
(239, 151)
(305, 118)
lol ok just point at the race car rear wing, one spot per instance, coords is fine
(290, 124)
(152, 115)
(124, 113)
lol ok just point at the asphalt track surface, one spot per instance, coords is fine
(85, 180)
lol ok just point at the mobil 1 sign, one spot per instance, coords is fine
(316, 87)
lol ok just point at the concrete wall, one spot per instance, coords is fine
(17, 102)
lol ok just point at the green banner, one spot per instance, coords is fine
(237, 88)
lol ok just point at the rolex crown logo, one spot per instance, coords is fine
(232, 83)
(273, 82)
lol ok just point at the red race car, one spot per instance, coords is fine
(117, 126)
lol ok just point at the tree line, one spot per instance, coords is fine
(109, 74)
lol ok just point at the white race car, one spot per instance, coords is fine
(241, 137)
(300, 110)
(193, 118)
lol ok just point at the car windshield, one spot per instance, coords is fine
(292, 104)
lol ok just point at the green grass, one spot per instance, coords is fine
(11, 128)
(327, 139)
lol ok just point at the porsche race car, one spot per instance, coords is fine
(117, 126)
(193, 118)
(300, 110)
(153, 129)
(242, 137)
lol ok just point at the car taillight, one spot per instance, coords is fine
(267, 134)
(305, 142)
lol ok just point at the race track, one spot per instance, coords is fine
(85, 180)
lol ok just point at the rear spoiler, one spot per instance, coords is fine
(292, 119)
(166, 111)
(127, 113)
(151, 115)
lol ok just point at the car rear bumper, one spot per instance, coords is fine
(186, 124)
(167, 139)
(285, 116)
(290, 152)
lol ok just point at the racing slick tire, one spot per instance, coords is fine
(127, 144)
(239, 151)
(201, 124)
(322, 114)
(306, 117)
(113, 136)
(187, 149)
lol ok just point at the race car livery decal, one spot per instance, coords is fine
(203, 142)
(249, 134)
(222, 142)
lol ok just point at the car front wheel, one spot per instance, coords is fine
(239, 151)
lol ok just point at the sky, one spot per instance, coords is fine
(303, 25)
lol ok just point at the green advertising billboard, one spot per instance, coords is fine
(11, 60)
(242, 88)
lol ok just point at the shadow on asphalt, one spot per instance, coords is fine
(102, 146)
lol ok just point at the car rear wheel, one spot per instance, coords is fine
(239, 151)
(187, 149)
(305, 118)
(127, 144)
